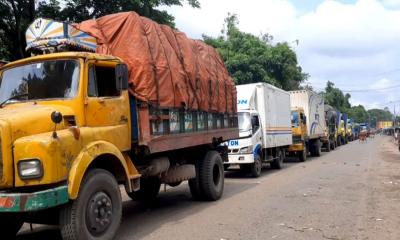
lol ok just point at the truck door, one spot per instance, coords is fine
(257, 133)
(106, 107)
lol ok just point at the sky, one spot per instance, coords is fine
(352, 43)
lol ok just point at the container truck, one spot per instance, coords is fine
(308, 108)
(264, 128)
(330, 139)
(139, 105)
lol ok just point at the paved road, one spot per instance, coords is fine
(351, 193)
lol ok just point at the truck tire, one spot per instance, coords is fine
(302, 155)
(211, 175)
(339, 141)
(256, 167)
(328, 146)
(10, 224)
(149, 189)
(317, 148)
(333, 145)
(97, 212)
(194, 184)
(278, 161)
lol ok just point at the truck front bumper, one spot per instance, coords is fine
(240, 159)
(29, 202)
(298, 147)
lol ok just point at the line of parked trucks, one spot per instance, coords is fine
(121, 100)
(274, 123)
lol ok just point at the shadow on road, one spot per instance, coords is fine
(140, 219)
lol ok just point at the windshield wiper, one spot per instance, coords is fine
(12, 98)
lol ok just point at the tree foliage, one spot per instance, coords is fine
(18, 14)
(336, 98)
(357, 113)
(252, 59)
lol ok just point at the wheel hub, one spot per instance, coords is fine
(99, 213)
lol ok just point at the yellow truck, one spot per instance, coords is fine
(72, 133)
(342, 130)
(299, 134)
(308, 123)
(330, 138)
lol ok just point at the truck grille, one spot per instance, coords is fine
(297, 139)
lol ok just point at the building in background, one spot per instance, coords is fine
(384, 124)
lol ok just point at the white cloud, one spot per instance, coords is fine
(353, 45)
(255, 16)
(391, 3)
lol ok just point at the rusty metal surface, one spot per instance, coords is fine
(27, 202)
(184, 140)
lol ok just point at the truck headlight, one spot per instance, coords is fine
(30, 169)
(248, 149)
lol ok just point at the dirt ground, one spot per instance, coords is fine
(350, 193)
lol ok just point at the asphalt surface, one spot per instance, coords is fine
(350, 193)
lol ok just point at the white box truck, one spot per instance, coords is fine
(264, 128)
(308, 123)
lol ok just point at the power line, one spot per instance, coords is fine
(371, 90)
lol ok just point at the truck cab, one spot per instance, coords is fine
(248, 147)
(264, 128)
(349, 130)
(299, 132)
(342, 130)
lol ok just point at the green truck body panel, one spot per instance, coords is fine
(29, 202)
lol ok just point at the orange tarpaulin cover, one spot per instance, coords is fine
(166, 68)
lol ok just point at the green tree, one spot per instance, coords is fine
(251, 59)
(18, 14)
(335, 97)
(357, 113)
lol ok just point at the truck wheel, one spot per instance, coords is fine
(317, 148)
(211, 175)
(302, 155)
(10, 225)
(333, 145)
(96, 213)
(149, 189)
(277, 163)
(328, 146)
(194, 184)
(256, 167)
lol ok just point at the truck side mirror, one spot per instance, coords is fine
(304, 120)
(122, 76)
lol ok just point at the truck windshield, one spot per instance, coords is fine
(295, 119)
(244, 121)
(41, 80)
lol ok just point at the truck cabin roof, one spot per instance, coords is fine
(63, 55)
